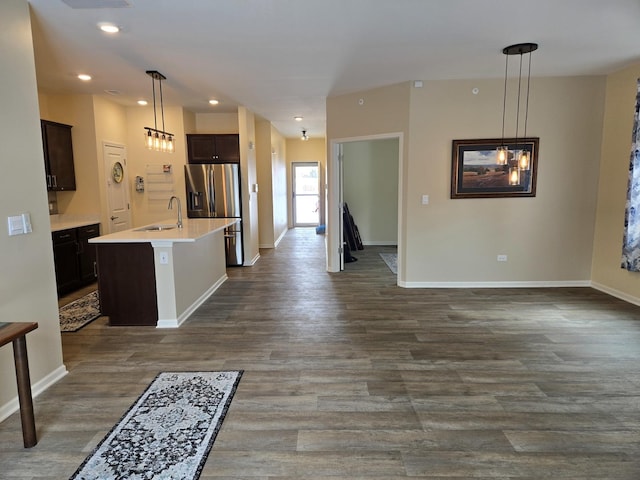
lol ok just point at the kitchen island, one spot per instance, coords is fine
(159, 274)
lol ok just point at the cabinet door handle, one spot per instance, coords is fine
(55, 181)
(95, 269)
(49, 181)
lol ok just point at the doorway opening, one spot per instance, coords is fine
(335, 201)
(306, 194)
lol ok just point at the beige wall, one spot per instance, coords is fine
(27, 284)
(279, 184)
(312, 150)
(548, 238)
(249, 177)
(150, 207)
(216, 123)
(371, 189)
(614, 174)
(272, 182)
(265, 181)
(189, 121)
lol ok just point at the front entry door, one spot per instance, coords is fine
(306, 194)
(115, 164)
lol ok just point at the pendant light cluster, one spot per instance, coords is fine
(519, 160)
(156, 139)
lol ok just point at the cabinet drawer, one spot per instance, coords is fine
(64, 236)
(89, 231)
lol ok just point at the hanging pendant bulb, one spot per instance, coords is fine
(523, 161)
(148, 139)
(502, 154)
(163, 143)
(514, 176)
(170, 148)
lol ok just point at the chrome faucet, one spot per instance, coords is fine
(179, 209)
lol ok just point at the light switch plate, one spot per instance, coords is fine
(26, 223)
(15, 225)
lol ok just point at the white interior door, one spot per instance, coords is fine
(116, 174)
(340, 168)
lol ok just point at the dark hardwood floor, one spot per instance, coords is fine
(348, 376)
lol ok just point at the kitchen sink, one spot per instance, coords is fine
(155, 228)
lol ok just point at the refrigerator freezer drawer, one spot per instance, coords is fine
(233, 247)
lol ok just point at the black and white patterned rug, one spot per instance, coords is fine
(168, 432)
(80, 312)
(391, 259)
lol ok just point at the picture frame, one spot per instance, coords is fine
(476, 174)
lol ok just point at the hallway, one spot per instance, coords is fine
(348, 376)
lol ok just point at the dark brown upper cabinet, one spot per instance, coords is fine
(213, 148)
(58, 156)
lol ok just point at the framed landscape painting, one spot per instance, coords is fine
(475, 172)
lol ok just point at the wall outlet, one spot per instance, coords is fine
(502, 258)
(164, 258)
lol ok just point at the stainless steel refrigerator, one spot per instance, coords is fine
(213, 190)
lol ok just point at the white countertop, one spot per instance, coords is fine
(63, 221)
(193, 229)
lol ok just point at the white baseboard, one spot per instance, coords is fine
(576, 283)
(176, 322)
(279, 239)
(252, 261)
(274, 244)
(37, 388)
(616, 293)
(382, 243)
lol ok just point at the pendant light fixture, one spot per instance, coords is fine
(304, 136)
(522, 161)
(155, 139)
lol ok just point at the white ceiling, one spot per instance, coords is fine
(282, 58)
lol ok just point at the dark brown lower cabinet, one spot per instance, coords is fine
(87, 253)
(74, 257)
(65, 259)
(127, 283)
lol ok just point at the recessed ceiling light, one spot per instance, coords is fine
(109, 27)
(84, 77)
(297, 118)
(142, 102)
(214, 101)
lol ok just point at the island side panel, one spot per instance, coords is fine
(127, 283)
(199, 269)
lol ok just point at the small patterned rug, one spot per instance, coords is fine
(79, 313)
(391, 259)
(169, 430)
